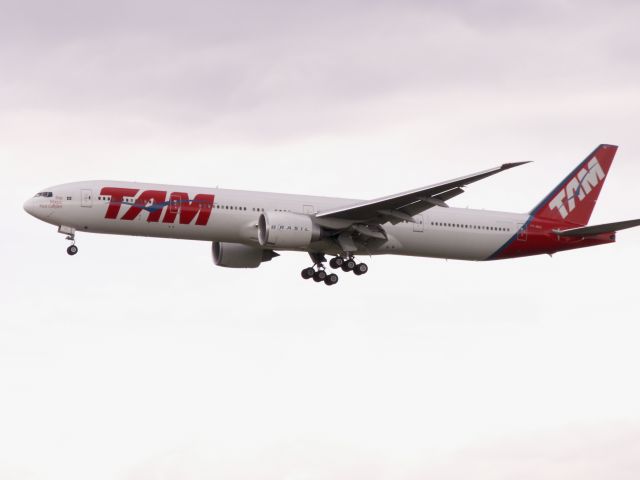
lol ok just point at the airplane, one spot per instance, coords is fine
(248, 228)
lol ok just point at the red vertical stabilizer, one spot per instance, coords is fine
(573, 200)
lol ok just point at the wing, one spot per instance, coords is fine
(597, 229)
(403, 206)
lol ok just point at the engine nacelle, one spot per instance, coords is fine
(287, 230)
(237, 255)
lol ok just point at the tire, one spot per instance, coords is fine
(307, 273)
(336, 262)
(319, 276)
(72, 250)
(331, 279)
(361, 269)
(349, 265)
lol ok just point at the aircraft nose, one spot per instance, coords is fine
(29, 207)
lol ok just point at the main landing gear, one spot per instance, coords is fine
(318, 273)
(349, 264)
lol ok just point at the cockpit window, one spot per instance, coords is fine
(44, 194)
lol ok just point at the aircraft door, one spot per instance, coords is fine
(174, 205)
(308, 209)
(522, 232)
(85, 198)
(419, 225)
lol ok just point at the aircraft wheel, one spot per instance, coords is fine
(361, 269)
(331, 279)
(307, 273)
(336, 262)
(72, 250)
(348, 265)
(319, 276)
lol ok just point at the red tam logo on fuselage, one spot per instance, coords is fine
(155, 201)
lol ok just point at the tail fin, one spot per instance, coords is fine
(573, 200)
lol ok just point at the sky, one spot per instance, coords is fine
(138, 359)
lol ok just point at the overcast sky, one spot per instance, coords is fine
(138, 359)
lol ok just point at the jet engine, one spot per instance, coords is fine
(237, 255)
(287, 230)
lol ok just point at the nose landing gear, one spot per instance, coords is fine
(71, 236)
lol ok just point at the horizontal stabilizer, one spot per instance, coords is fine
(598, 229)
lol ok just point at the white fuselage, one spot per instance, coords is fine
(453, 233)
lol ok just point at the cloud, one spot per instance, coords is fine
(290, 67)
(583, 453)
